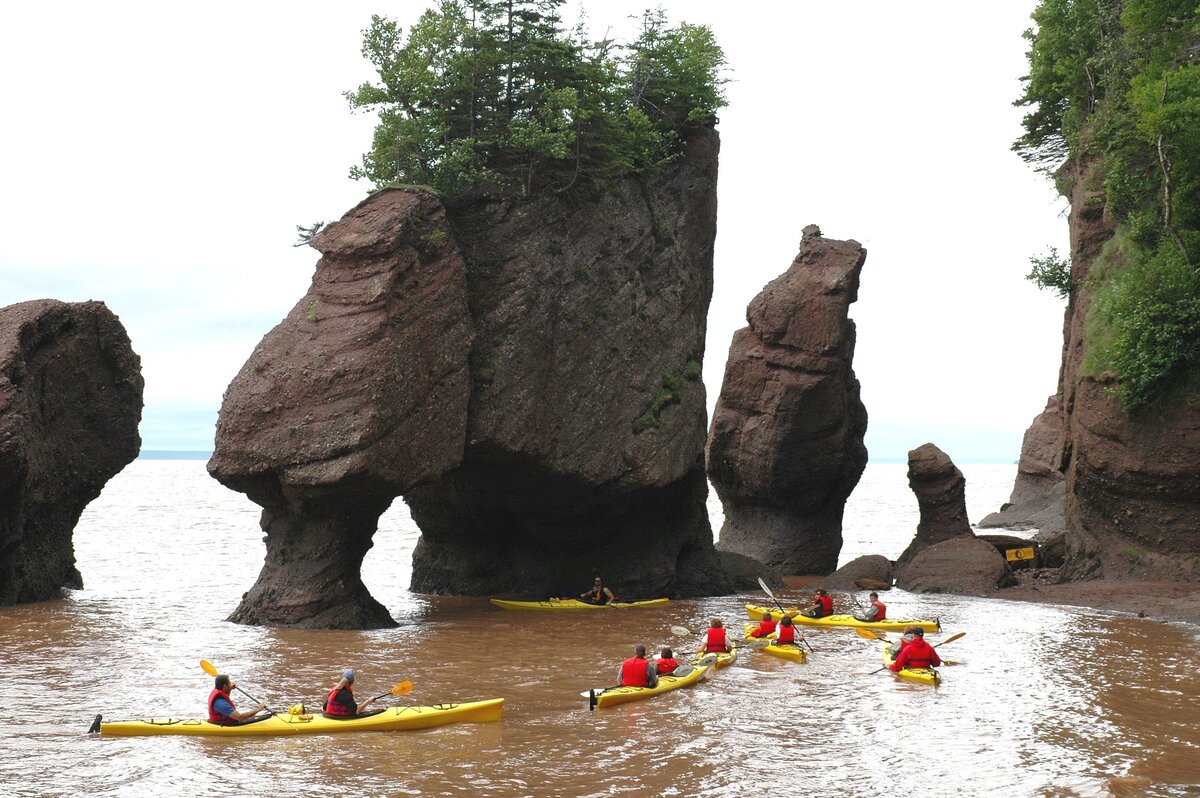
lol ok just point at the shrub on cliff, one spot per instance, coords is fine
(493, 96)
(1121, 81)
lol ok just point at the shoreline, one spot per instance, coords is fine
(1155, 600)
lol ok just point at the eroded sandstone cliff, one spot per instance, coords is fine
(786, 445)
(70, 404)
(359, 394)
(1132, 480)
(524, 372)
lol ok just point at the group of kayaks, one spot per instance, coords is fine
(397, 718)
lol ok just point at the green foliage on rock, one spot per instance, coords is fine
(493, 96)
(1051, 271)
(1119, 81)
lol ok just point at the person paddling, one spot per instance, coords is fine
(787, 633)
(822, 605)
(637, 671)
(666, 662)
(341, 702)
(715, 639)
(876, 611)
(221, 709)
(598, 594)
(916, 653)
(766, 627)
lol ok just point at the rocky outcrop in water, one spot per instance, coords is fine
(524, 372)
(870, 572)
(70, 404)
(941, 492)
(584, 450)
(359, 394)
(786, 445)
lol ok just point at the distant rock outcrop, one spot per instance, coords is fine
(70, 404)
(524, 372)
(786, 445)
(870, 572)
(941, 493)
(358, 395)
(1039, 493)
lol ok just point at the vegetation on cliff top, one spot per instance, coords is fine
(1119, 81)
(494, 96)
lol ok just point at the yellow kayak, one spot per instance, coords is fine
(755, 613)
(391, 719)
(571, 604)
(790, 651)
(923, 675)
(724, 658)
(611, 696)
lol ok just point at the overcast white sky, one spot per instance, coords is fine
(158, 156)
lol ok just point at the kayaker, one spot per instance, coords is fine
(715, 639)
(916, 653)
(876, 611)
(598, 594)
(341, 703)
(221, 710)
(787, 632)
(766, 627)
(637, 671)
(822, 605)
(666, 662)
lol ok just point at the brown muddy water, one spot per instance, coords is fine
(1042, 701)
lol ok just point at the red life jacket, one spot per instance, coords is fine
(213, 715)
(634, 674)
(715, 640)
(918, 654)
(765, 629)
(787, 634)
(826, 603)
(667, 665)
(882, 614)
(335, 709)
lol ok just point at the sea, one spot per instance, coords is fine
(1035, 700)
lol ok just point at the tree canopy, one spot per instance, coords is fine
(1119, 81)
(494, 96)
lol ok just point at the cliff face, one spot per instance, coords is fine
(786, 445)
(70, 404)
(360, 393)
(587, 416)
(1132, 482)
(524, 373)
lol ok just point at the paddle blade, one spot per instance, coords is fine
(682, 631)
(870, 635)
(951, 639)
(208, 667)
(402, 688)
(766, 589)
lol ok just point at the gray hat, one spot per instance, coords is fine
(349, 675)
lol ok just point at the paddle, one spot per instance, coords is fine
(211, 670)
(767, 590)
(949, 639)
(400, 689)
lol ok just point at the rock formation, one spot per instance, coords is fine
(965, 566)
(70, 404)
(1132, 487)
(359, 394)
(786, 445)
(524, 372)
(942, 496)
(1039, 493)
(869, 572)
(586, 429)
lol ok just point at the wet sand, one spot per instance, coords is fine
(1164, 601)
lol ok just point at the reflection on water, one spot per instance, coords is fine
(1044, 701)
